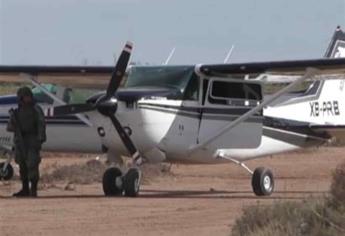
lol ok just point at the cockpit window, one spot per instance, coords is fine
(68, 95)
(74, 95)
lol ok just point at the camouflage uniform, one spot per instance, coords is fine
(28, 119)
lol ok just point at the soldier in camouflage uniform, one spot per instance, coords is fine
(28, 124)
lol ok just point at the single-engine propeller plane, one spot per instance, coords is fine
(213, 114)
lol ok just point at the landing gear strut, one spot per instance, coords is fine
(262, 178)
(117, 184)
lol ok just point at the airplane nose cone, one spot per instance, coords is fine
(107, 107)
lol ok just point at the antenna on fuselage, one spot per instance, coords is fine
(226, 60)
(169, 57)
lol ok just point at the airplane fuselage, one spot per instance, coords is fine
(174, 126)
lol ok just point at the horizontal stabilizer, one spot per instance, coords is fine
(333, 130)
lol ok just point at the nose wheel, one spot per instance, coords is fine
(131, 183)
(262, 181)
(112, 182)
(115, 183)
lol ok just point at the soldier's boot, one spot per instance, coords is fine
(24, 192)
(33, 192)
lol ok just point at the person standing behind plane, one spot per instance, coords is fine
(28, 124)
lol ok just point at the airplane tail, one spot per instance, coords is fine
(336, 48)
(322, 104)
(330, 105)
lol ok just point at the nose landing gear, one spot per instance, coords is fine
(112, 182)
(115, 183)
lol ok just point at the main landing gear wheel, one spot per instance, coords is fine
(262, 181)
(131, 182)
(112, 182)
(6, 174)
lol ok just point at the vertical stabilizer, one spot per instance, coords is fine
(336, 48)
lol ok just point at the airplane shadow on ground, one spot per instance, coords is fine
(193, 194)
(222, 194)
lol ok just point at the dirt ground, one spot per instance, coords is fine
(193, 200)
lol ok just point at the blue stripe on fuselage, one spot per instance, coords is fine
(62, 118)
(54, 121)
(8, 100)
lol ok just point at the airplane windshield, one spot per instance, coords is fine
(68, 95)
(174, 77)
(42, 97)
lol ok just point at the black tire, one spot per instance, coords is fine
(110, 188)
(8, 173)
(262, 181)
(131, 182)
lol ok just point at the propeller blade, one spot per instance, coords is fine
(69, 109)
(133, 151)
(119, 70)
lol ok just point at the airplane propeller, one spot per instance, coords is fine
(106, 105)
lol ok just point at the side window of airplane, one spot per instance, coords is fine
(234, 93)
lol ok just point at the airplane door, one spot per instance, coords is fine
(224, 100)
(183, 132)
(188, 118)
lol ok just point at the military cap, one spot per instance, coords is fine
(24, 91)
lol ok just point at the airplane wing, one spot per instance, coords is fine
(306, 69)
(294, 67)
(96, 77)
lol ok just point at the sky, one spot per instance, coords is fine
(93, 32)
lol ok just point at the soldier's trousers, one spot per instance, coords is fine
(28, 162)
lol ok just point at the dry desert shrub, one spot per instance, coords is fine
(337, 198)
(310, 217)
(314, 217)
(92, 172)
(85, 173)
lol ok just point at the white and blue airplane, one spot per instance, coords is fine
(201, 113)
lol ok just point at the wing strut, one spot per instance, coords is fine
(310, 72)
